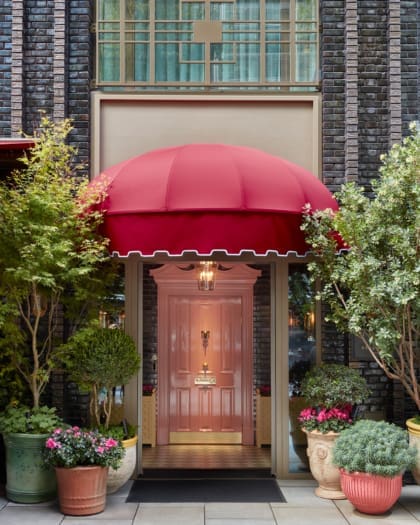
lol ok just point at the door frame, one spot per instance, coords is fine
(236, 280)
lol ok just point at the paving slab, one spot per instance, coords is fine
(30, 515)
(169, 515)
(247, 511)
(397, 515)
(308, 516)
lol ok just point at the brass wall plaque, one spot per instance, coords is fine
(205, 380)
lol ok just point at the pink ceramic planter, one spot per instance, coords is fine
(369, 493)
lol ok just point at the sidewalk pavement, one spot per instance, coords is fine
(302, 508)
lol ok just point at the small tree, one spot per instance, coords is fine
(98, 360)
(373, 288)
(48, 245)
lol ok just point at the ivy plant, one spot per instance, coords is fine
(373, 287)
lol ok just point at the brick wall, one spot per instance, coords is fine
(410, 61)
(5, 65)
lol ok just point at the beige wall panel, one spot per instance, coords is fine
(125, 127)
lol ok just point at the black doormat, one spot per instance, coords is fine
(175, 473)
(205, 489)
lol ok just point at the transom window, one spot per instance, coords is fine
(207, 43)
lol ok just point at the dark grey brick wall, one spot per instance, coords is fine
(332, 75)
(373, 88)
(38, 61)
(80, 72)
(410, 61)
(5, 65)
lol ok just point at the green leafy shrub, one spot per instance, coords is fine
(374, 447)
(334, 385)
(373, 289)
(29, 421)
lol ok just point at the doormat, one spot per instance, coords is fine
(210, 489)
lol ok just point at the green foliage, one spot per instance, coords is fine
(21, 419)
(374, 447)
(73, 447)
(118, 432)
(373, 289)
(100, 359)
(333, 385)
(49, 243)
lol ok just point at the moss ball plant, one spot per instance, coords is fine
(374, 447)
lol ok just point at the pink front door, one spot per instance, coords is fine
(205, 344)
(205, 357)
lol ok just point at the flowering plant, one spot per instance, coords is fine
(148, 389)
(73, 447)
(326, 419)
(265, 390)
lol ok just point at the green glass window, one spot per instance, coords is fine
(207, 43)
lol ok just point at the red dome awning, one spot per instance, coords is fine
(207, 198)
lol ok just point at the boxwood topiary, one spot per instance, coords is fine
(374, 447)
(334, 385)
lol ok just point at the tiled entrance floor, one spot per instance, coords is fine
(206, 456)
(302, 508)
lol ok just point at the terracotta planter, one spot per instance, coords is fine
(81, 490)
(320, 462)
(369, 493)
(414, 438)
(117, 478)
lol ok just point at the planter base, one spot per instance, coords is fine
(369, 493)
(320, 461)
(82, 490)
(28, 480)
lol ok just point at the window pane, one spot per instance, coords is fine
(278, 62)
(109, 62)
(184, 33)
(302, 355)
(109, 10)
(306, 10)
(306, 62)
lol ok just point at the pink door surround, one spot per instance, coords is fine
(205, 356)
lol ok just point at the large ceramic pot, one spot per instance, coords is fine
(414, 438)
(369, 493)
(117, 478)
(28, 479)
(81, 490)
(320, 447)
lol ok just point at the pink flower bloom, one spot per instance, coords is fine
(57, 431)
(50, 443)
(110, 443)
(100, 450)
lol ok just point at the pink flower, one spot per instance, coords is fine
(100, 450)
(110, 443)
(57, 431)
(50, 443)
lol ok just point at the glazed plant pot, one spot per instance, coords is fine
(117, 478)
(414, 439)
(370, 493)
(327, 475)
(28, 479)
(81, 490)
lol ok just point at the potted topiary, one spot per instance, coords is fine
(372, 457)
(48, 244)
(100, 360)
(332, 392)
